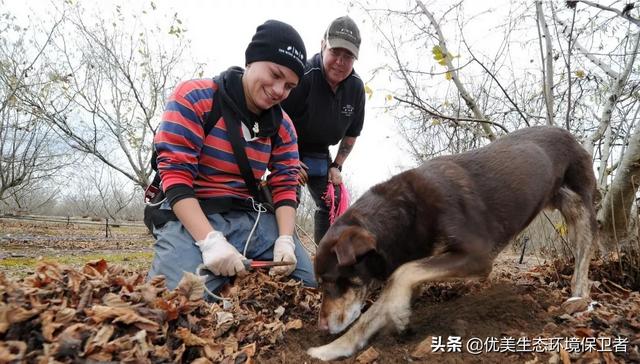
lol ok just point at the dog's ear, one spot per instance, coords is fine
(353, 242)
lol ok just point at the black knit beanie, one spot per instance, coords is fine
(280, 43)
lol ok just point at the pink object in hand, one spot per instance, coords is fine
(336, 208)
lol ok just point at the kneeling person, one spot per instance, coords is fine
(214, 210)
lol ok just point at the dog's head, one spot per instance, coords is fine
(346, 265)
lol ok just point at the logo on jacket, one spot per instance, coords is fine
(347, 110)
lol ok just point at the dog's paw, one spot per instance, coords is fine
(401, 321)
(329, 352)
(399, 311)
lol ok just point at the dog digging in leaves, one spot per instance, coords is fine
(448, 219)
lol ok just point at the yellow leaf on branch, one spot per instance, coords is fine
(368, 91)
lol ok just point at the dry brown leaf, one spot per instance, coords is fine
(224, 322)
(10, 314)
(157, 281)
(564, 356)
(201, 361)
(162, 352)
(4, 318)
(214, 352)
(101, 356)
(100, 266)
(118, 345)
(293, 325)
(85, 297)
(189, 338)
(575, 305)
(121, 314)
(141, 338)
(191, 286)
(368, 356)
(70, 340)
(609, 358)
(12, 350)
(585, 332)
(113, 300)
(423, 349)
(590, 357)
(230, 346)
(250, 349)
(149, 293)
(74, 281)
(45, 272)
(65, 315)
(169, 308)
(48, 325)
(99, 339)
(279, 312)
(133, 355)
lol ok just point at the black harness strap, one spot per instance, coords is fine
(210, 122)
(233, 129)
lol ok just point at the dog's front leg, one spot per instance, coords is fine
(354, 339)
(393, 306)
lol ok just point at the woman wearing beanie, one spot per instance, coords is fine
(211, 217)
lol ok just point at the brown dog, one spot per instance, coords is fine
(447, 219)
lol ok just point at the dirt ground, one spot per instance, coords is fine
(510, 304)
(518, 303)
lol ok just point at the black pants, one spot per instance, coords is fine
(317, 188)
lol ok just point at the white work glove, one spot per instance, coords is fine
(219, 256)
(283, 250)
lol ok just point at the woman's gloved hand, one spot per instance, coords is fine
(220, 257)
(284, 250)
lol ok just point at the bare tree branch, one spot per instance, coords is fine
(452, 118)
(470, 102)
(622, 13)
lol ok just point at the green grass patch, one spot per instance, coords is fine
(20, 267)
(127, 258)
(17, 263)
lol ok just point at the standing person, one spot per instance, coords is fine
(213, 209)
(327, 108)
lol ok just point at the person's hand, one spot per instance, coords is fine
(219, 256)
(303, 176)
(335, 176)
(283, 251)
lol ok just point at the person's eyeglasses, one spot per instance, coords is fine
(343, 55)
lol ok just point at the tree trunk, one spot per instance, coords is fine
(614, 216)
(616, 204)
(547, 63)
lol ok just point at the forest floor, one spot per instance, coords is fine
(70, 294)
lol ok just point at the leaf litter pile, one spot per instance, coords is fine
(105, 312)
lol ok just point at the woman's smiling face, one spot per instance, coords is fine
(267, 84)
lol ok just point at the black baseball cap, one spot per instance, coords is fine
(343, 33)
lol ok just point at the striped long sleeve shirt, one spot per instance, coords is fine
(205, 166)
